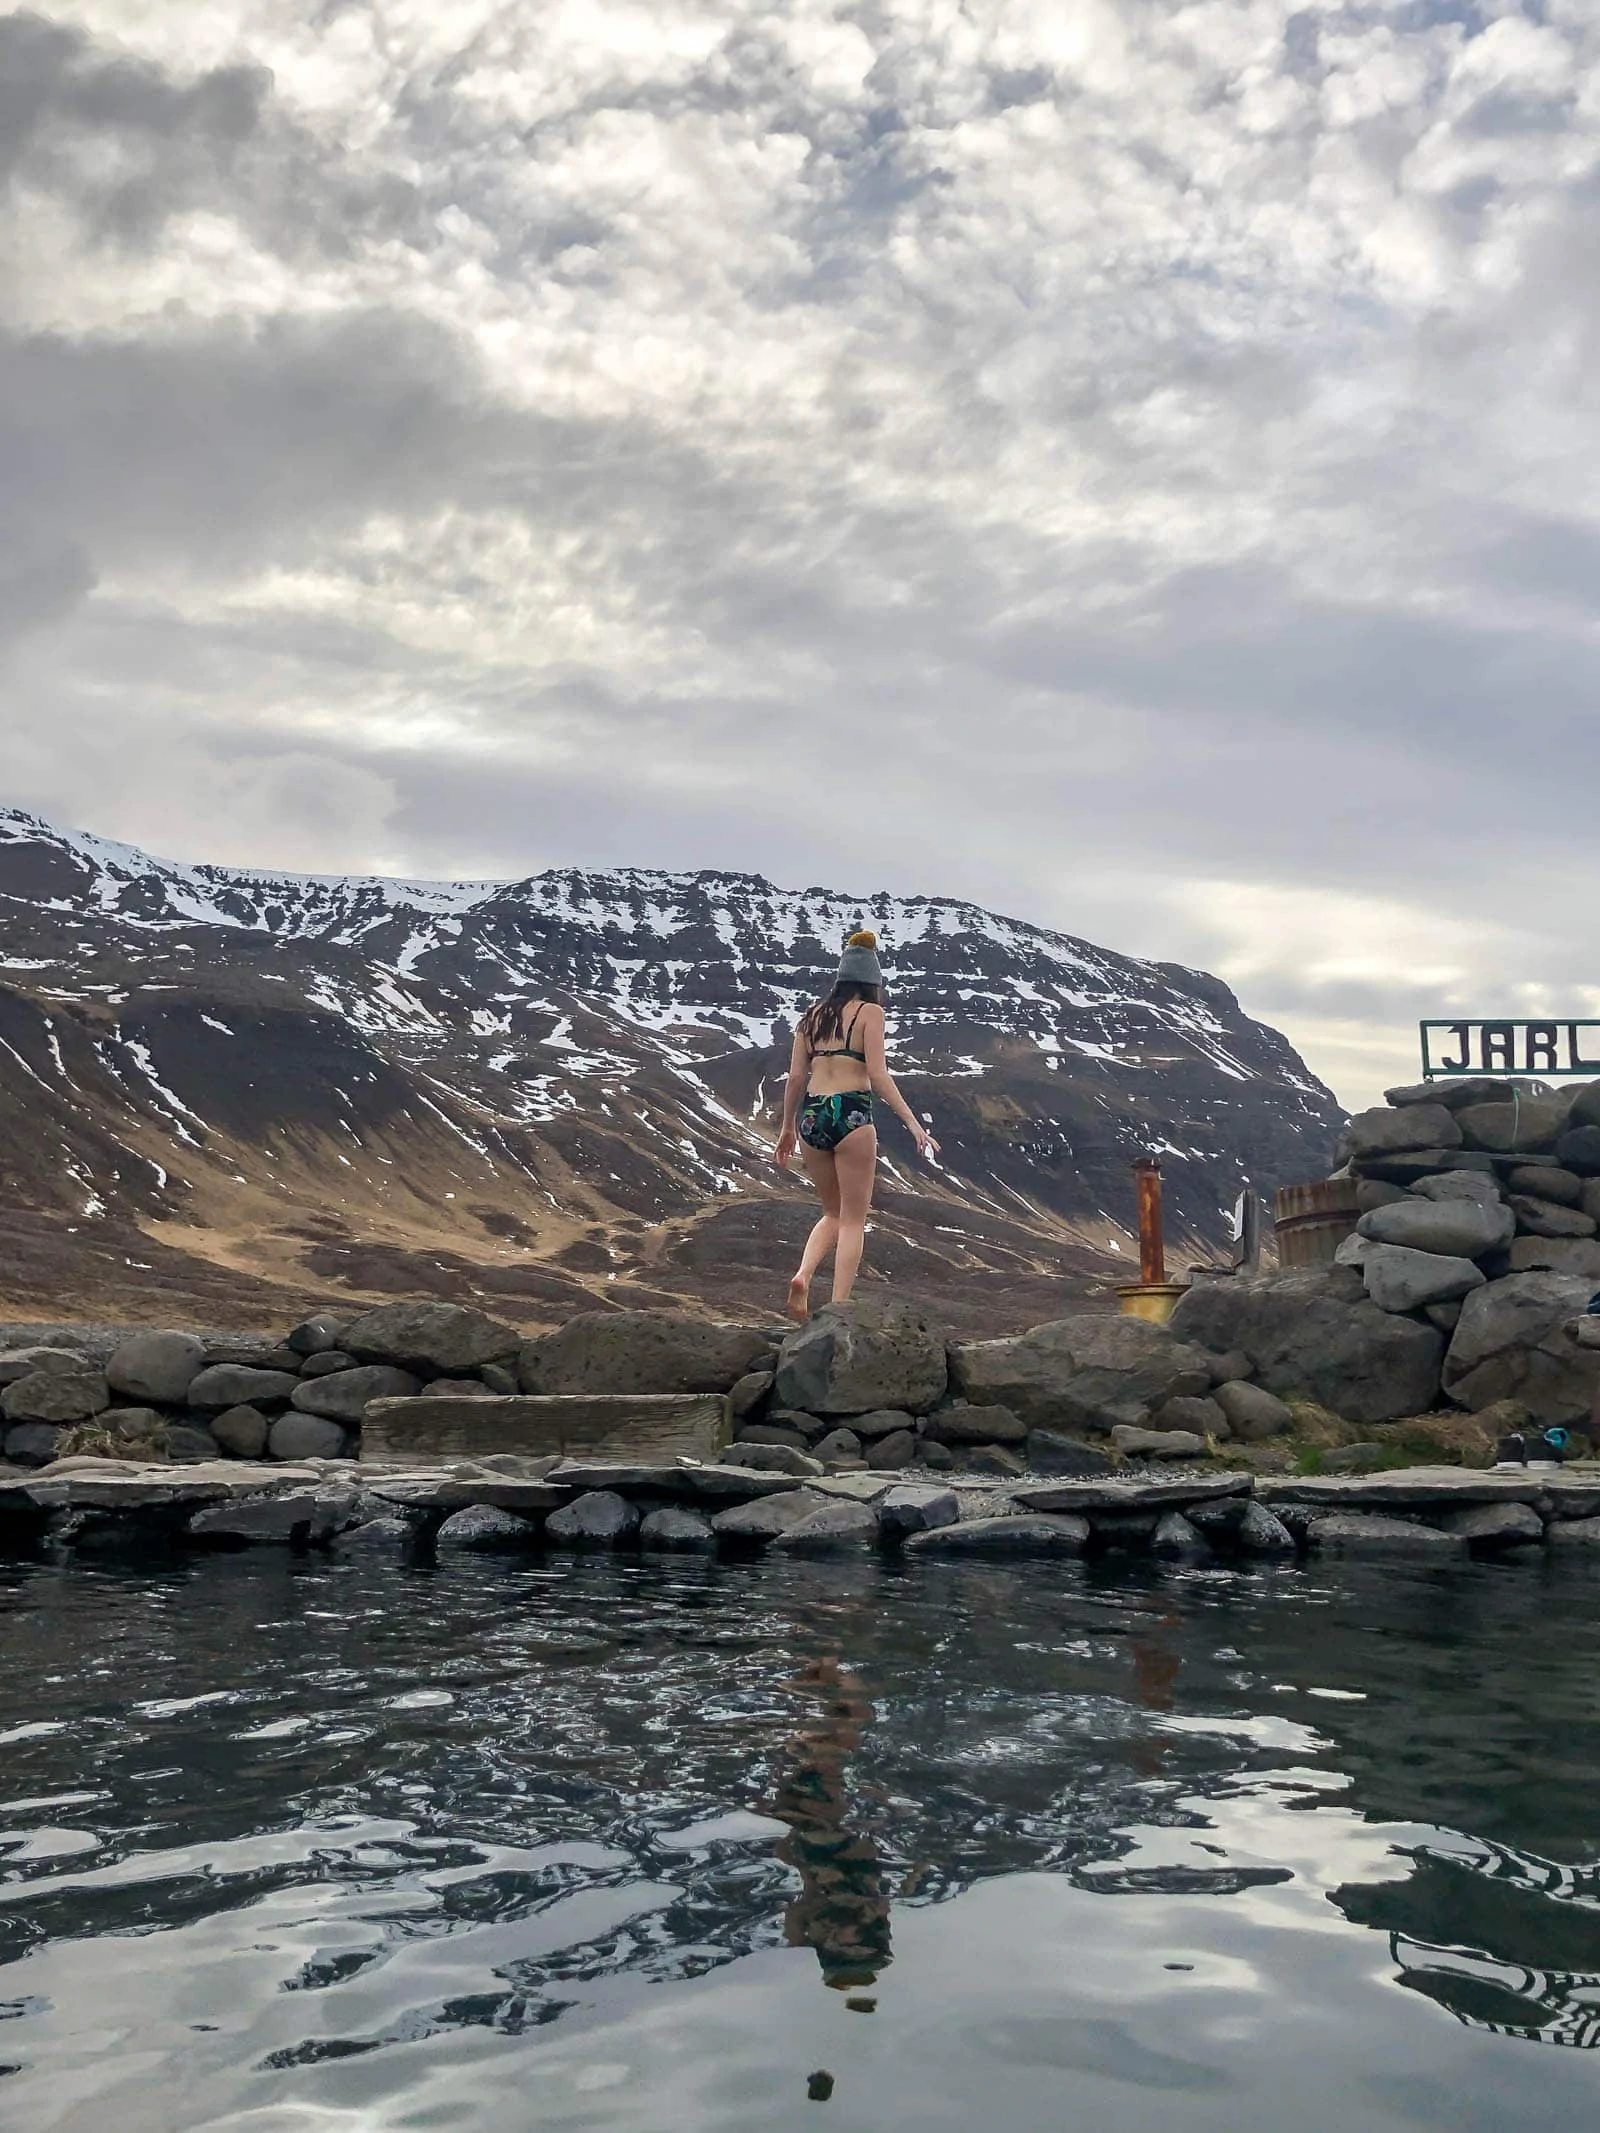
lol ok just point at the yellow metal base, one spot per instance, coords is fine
(1154, 1300)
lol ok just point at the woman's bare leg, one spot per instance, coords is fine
(855, 1162)
(824, 1234)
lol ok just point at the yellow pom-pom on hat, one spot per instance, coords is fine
(862, 940)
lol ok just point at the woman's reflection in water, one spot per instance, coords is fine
(842, 1909)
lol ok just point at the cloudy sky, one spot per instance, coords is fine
(1134, 464)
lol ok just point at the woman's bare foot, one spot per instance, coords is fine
(799, 1305)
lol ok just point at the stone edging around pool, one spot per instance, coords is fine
(509, 1503)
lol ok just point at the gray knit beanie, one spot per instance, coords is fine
(859, 964)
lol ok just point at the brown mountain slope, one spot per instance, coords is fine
(230, 1096)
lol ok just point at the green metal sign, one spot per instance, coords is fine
(1549, 1051)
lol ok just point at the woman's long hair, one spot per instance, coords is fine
(823, 1022)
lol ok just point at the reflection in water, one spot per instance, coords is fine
(311, 1832)
(842, 1910)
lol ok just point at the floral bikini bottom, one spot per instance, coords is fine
(825, 1120)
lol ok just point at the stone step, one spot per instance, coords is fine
(641, 1427)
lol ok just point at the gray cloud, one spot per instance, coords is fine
(1138, 485)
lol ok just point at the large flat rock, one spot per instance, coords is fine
(677, 1481)
(124, 1485)
(1115, 1494)
(1409, 1488)
(647, 1428)
(452, 1492)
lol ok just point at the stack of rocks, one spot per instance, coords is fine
(190, 1396)
(865, 1386)
(876, 1387)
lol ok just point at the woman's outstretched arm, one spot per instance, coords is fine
(793, 1093)
(883, 1082)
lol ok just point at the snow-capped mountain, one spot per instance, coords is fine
(563, 1088)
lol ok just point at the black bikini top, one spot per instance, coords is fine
(846, 1050)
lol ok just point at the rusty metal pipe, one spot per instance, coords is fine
(1152, 1248)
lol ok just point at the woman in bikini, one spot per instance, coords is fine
(836, 1065)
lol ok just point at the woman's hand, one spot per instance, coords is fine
(926, 1144)
(784, 1147)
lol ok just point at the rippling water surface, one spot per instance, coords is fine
(629, 1845)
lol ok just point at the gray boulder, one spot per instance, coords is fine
(1512, 1344)
(836, 1445)
(674, 1531)
(1084, 1372)
(1529, 1125)
(1547, 1181)
(1470, 1089)
(298, 1517)
(642, 1352)
(1038, 1533)
(1369, 1533)
(881, 1422)
(242, 1431)
(598, 1519)
(326, 1361)
(183, 1442)
(759, 1522)
(963, 1423)
(1399, 1278)
(852, 1359)
(18, 1363)
(222, 1385)
(56, 1396)
(1313, 1333)
(1156, 1443)
(1548, 1218)
(1253, 1414)
(33, 1443)
(1556, 1255)
(436, 1340)
(448, 1388)
(388, 1536)
(156, 1366)
(1456, 1229)
(484, 1529)
(1496, 1525)
(1416, 1165)
(1579, 1150)
(314, 1336)
(1226, 1368)
(343, 1395)
(775, 1437)
(1396, 1132)
(1050, 1453)
(1175, 1540)
(293, 1437)
(750, 1393)
(1583, 1107)
(1373, 1192)
(998, 1460)
(1261, 1533)
(1575, 1533)
(771, 1459)
(1445, 1316)
(916, 1508)
(898, 1449)
(132, 1423)
(938, 1457)
(837, 1525)
(1458, 1185)
(1202, 1416)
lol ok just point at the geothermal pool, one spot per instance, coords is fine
(302, 1845)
